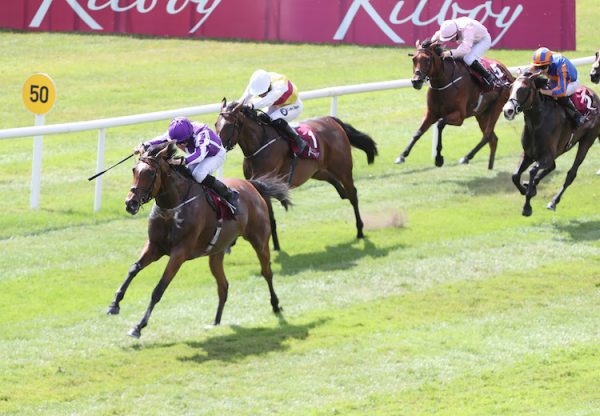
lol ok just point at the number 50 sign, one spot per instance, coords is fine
(39, 93)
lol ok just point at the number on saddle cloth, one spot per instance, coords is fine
(583, 100)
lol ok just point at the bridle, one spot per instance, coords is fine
(430, 54)
(145, 194)
(237, 127)
(515, 102)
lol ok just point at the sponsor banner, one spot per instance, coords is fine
(513, 24)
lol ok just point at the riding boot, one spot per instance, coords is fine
(285, 128)
(230, 195)
(572, 112)
(480, 69)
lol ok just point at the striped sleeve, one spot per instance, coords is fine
(561, 86)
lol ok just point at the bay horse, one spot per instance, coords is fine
(547, 134)
(184, 225)
(266, 152)
(453, 96)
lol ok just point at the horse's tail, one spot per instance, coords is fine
(360, 140)
(273, 187)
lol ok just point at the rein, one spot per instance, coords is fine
(237, 125)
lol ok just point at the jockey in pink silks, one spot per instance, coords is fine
(473, 42)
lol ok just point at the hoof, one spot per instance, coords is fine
(551, 206)
(527, 212)
(400, 159)
(439, 161)
(113, 310)
(360, 235)
(464, 161)
(135, 333)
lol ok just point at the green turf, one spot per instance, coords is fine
(454, 304)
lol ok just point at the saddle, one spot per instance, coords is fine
(218, 204)
(493, 68)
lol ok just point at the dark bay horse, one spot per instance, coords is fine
(266, 152)
(183, 225)
(595, 72)
(453, 96)
(547, 134)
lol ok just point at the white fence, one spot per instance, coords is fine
(102, 124)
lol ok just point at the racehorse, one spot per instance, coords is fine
(595, 72)
(183, 224)
(547, 134)
(266, 152)
(455, 95)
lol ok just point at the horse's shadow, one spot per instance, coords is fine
(501, 183)
(345, 255)
(581, 230)
(246, 342)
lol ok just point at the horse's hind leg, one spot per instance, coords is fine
(261, 246)
(215, 262)
(150, 253)
(582, 150)
(273, 224)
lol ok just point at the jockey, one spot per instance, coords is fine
(473, 39)
(206, 154)
(280, 100)
(563, 83)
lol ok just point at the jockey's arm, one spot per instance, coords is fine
(141, 148)
(245, 96)
(561, 83)
(278, 88)
(201, 142)
(465, 45)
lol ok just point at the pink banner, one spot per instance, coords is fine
(513, 24)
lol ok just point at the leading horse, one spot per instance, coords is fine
(547, 134)
(455, 95)
(266, 152)
(183, 225)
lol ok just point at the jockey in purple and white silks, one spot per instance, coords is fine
(205, 153)
(562, 80)
(473, 42)
(278, 97)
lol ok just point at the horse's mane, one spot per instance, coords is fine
(428, 43)
(171, 150)
(258, 116)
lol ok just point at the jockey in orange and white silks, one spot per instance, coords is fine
(279, 98)
(473, 42)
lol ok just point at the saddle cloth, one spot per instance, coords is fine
(220, 206)
(312, 150)
(583, 99)
(493, 68)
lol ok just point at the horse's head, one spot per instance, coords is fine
(229, 123)
(146, 176)
(424, 61)
(523, 91)
(595, 72)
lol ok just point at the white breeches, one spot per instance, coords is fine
(287, 112)
(478, 50)
(207, 165)
(572, 87)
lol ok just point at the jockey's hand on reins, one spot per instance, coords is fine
(447, 55)
(177, 161)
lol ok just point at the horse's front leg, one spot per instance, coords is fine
(428, 120)
(175, 262)
(526, 161)
(150, 253)
(531, 190)
(439, 159)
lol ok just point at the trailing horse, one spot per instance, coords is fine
(188, 221)
(548, 133)
(266, 152)
(455, 94)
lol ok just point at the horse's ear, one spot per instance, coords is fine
(166, 152)
(418, 44)
(223, 103)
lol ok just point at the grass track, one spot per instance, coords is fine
(453, 304)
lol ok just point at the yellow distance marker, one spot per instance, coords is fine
(39, 93)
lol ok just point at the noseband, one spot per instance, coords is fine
(145, 194)
(515, 102)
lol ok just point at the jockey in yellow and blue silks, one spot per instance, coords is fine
(562, 76)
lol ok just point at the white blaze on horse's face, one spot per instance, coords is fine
(595, 72)
(512, 106)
